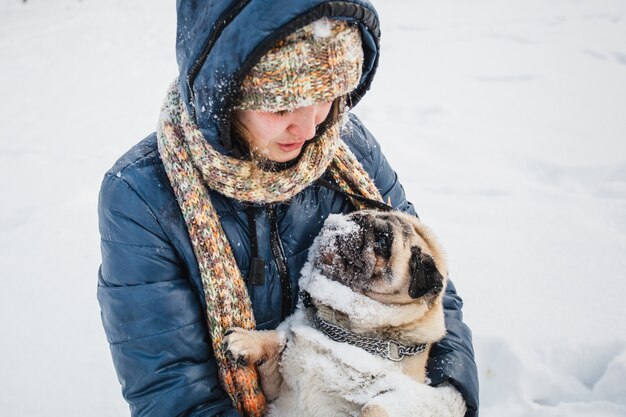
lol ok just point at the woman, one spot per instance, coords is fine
(206, 224)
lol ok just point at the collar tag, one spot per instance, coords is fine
(393, 351)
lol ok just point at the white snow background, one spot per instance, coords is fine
(505, 120)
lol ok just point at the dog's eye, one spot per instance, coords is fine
(382, 243)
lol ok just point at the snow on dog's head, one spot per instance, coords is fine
(335, 250)
(366, 261)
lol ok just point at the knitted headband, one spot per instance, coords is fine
(316, 63)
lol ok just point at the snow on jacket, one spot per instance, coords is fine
(149, 286)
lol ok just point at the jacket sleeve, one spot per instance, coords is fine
(152, 318)
(452, 358)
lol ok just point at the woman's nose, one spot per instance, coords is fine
(303, 122)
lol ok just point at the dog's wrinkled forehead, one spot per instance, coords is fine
(357, 233)
(338, 225)
(365, 222)
(384, 222)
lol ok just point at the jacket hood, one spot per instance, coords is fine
(219, 41)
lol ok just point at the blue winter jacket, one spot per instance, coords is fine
(149, 287)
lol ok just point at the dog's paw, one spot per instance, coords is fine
(240, 346)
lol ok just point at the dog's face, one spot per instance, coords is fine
(390, 257)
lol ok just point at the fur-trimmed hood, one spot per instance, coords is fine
(219, 41)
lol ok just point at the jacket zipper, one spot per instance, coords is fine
(278, 253)
(221, 23)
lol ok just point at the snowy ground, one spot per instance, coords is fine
(505, 119)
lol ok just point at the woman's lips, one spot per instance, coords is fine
(289, 147)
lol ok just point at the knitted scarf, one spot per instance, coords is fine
(193, 167)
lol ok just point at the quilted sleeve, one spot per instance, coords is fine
(152, 318)
(452, 358)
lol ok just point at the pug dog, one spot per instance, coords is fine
(370, 309)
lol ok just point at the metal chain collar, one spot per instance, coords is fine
(389, 349)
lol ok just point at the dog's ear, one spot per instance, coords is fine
(425, 278)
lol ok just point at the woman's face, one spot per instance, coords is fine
(280, 136)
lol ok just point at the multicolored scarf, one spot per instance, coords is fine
(193, 167)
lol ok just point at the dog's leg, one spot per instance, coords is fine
(261, 347)
(373, 411)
